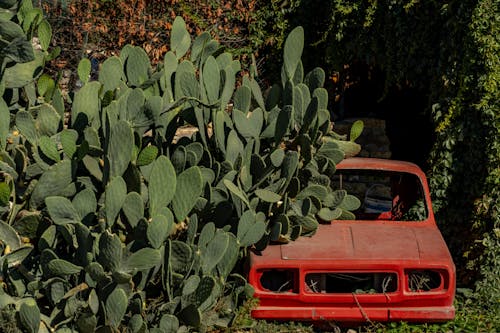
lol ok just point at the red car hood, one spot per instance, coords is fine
(368, 241)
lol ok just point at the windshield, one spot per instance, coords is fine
(384, 195)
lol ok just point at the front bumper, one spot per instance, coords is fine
(355, 313)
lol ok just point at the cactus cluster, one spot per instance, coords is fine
(108, 222)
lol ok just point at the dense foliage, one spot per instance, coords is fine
(103, 27)
(111, 222)
(449, 53)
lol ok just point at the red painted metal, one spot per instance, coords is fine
(353, 248)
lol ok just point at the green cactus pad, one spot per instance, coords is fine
(180, 40)
(143, 259)
(356, 130)
(249, 230)
(49, 148)
(29, 316)
(294, 45)
(120, 148)
(115, 195)
(268, 196)
(315, 78)
(211, 79)
(133, 208)
(137, 66)
(86, 102)
(111, 73)
(110, 251)
(116, 306)
(190, 315)
(162, 184)
(180, 256)
(189, 188)
(350, 202)
(83, 70)
(61, 210)
(158, 230)
(169, 324)
(9, 236)
(63, 267)
(327, 214)
(26, 125)
(213, 253)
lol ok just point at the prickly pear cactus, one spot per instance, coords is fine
(115, 223)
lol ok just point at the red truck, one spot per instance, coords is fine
(389, 264)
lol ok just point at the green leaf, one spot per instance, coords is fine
(242, 99)
(331, 150)
(190, 315)
(277, 157)
(228, 261)
(283, 122)
(307, 223)
(228, 90)
(61, 210)
(335, 198)
(48, 120)
(84, 68)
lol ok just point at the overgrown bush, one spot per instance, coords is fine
(103, 27)
(449, 53)
(110, 222)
